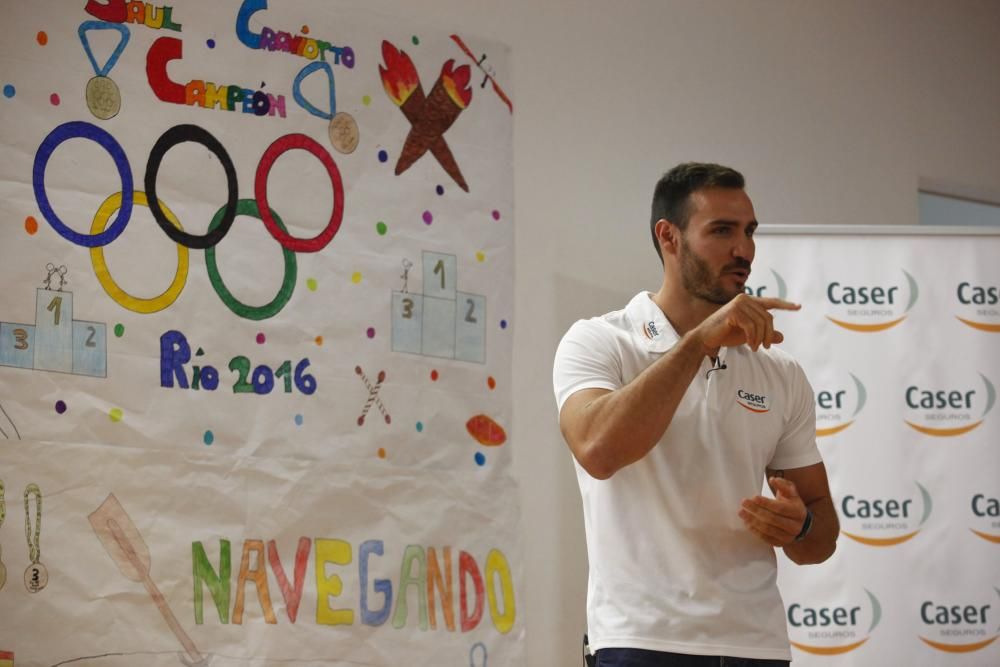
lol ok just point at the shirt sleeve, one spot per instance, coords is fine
(797, 446)
(587, 358)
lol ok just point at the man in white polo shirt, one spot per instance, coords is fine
(676, 409)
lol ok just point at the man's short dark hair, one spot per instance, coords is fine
(673, 191)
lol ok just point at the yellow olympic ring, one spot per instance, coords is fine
(120, 296)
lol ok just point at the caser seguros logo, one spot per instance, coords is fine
(838, 407)
(752, 401)
(884, 521)
(986, 516)
(832, 630)
(979, 306)
(775, 287)
(869, 308)
(960, 625)
(947, 411)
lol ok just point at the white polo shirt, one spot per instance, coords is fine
(672, 565)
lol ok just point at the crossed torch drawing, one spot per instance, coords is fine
(430, 116)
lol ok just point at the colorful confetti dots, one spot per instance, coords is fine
(356, 277)
(381, 228)
(54, 99)
(434, 376)
(9, 91)
(428, 218)
(416, 40)
(261, 338)
(115, 415)
(210, 43)
(31, 225)
(60, 406)
(42, 37)
(496, 214)
(318, 340)
(439, 189)
(312, 284)
(299, 420)
(305, 30)
(208, 438)
(371, 332)
(420, 427)
(382, 155)
(381, 452)
(366, 100)
(480, 256)
(503, 324)
(119, 330)
(480, 459)
(491, 383)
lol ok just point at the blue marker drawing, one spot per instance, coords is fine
(103, 25)
(306, 104)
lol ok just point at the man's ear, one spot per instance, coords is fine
(668, 236)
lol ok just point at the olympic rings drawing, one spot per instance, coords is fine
(101, 233)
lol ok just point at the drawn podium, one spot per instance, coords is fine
(55, 342)
(441, 322)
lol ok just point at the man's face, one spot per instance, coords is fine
(717, 246)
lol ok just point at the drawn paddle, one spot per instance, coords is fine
(128, 550)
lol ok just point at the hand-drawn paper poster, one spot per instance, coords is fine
(255, 338)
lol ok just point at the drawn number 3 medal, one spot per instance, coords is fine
(36, 576)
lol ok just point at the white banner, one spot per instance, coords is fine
(255, 338)
(899, 334)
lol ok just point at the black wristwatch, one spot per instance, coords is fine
(806, 526)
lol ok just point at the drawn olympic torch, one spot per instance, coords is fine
(128, 550)
(430, 116)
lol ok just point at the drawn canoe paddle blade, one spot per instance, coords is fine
(122, 541)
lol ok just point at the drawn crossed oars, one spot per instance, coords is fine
(372, 396)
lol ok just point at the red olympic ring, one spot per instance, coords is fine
(273, 152)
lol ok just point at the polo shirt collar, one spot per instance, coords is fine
(650, 327)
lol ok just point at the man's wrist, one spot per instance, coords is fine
(807, 524)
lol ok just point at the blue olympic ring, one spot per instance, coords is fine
(81, 129)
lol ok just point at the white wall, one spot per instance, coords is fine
(835, 111)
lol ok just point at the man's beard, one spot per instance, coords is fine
(697, 277)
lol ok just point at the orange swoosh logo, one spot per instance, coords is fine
(828, 650)
(820, 432)
(866, 328)
(958, 648)
(880, 541)
(987, 536)
(982, 326)
(944, 432)
(752, 409)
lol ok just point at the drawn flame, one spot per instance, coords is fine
(399, 76)
(456, 82)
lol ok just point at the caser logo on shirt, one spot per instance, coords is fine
(752, 401)
(649, 328)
